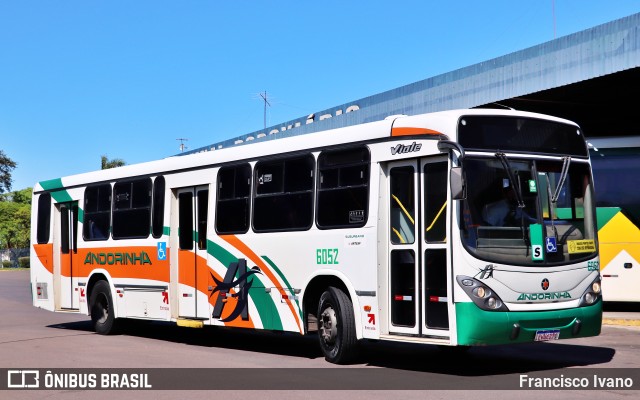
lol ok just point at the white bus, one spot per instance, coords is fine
(616, 173)
(390, 230)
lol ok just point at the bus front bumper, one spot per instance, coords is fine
(479, 327)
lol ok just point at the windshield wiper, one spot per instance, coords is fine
(517, 191)
(550, 205)
(507, 167)
(563, 177)
(554, 198)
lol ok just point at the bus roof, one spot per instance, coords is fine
(432, 124)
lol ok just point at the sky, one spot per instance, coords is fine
(127, 79)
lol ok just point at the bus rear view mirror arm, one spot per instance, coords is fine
(446, 145)
(457, 180)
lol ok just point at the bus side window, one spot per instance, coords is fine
(284, 194)
(343, 188)
(44, 218)
(232, 201)
(132, 209)
(157, 227)
(97, 212)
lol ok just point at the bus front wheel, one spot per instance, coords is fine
(336, 326)
(101, 308)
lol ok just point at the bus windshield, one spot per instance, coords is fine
(521, 135)
(512, 205)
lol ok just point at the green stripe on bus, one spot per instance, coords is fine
(266, 306)
(56, 188)
(220, 254)
(264, 303)
(284, 279)
(52, 184)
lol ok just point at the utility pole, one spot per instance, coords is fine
(182, 146)
(266, 103)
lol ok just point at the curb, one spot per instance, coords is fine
(620, 322)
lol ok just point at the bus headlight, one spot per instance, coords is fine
(481, 294)
(593, 293)
(589, 298)
(492, 302)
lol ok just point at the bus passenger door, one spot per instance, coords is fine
(433, 208)
(417, 264)
(68, 262)
(193, 204)
(404, 253)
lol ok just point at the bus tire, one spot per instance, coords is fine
(101, 309)
(336, 327)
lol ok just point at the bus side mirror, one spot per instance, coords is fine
(458, 184)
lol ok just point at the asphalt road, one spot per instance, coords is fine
(32, 338)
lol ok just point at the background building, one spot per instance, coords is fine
(589, 77)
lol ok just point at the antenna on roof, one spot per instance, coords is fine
(266, 103)
(182, 145)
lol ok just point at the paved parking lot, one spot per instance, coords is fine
(34, 338)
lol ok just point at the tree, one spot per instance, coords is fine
(21, 196)
(15, 224)
(116, 162)
(6, 166)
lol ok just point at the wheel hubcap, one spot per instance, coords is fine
(103, 307)
(328, 326)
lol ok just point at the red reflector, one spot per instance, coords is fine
(433, 299)
(398, 297)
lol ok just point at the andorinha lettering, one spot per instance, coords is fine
(544, 296)
(132, 258)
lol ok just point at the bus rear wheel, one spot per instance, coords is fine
(336, 327)
(101, 308)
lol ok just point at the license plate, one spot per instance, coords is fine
(549, 334)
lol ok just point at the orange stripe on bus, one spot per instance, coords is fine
(413, 131)
(45, 255)
(157, 270)
(244, 249)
